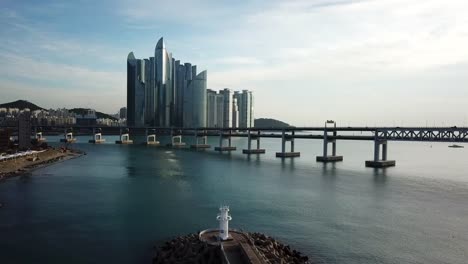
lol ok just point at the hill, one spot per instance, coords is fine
(81, 111)
(269, 123)
(21, 104)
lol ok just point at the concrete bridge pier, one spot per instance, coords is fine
(223, 137)
(201, 141)
(97, 137)
(68, 137)
(377, 162)
(253, 137)
(287, 138)
(326, 157)
(124, 137)
(176, 140)
(151, 138)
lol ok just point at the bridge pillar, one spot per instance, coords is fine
(97, 137)
(250, 138)
(377, 162)
(124, 138)
(287, 138)
(68, 137)
(201, 140)
(151, 138)
(176, 141)
(223, 137)
(326, 141)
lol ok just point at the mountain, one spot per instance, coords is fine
(82, 111)
(21, 104)
(269, 123)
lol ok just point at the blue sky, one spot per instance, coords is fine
(367, 62)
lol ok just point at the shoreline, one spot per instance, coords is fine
(13, 168)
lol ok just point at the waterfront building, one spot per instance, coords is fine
(245, 104)
(168, 94)
(227, 107)
(235, 113)
(135, 91)
(211, 108)
(123, 113)
(86, 119)
(24, 129)
(195, 101)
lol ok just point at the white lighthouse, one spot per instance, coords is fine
(224, 218)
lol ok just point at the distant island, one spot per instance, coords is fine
(269, 123)
(23, 104)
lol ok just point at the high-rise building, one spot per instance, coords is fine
(135, 91)
(24, 129)
(211, 108)
(123, 113)
(227, 107)
(245, 107)
(235, 113)
(195, 101)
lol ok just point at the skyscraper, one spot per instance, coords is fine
(135, 91)
(245, 107)
(227, 107)
(195, 102)
(211, 108)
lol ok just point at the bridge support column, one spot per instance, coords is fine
(287, 138)
(97, 137)
(151, 138)
(250, 138)
(377, 162)
(201, 141)
(176, 141)
(326, 141)
(223, 137)
(124, 138)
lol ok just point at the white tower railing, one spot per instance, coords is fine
(224, 218)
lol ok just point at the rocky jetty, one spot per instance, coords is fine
(189, 249)
(275, 252)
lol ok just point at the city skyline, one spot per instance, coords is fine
(402, 63)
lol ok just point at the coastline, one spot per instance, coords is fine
(17, 167)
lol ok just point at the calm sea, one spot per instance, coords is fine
(114, 204)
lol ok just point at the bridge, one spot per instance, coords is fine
(328, 134)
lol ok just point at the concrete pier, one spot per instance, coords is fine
(176, 142)
(284, 154)
(97, 137)
(151, 140)
(223, 137)
(326, 141)
(377, 162)
(124, 138)
(201, 142)
(68, 138)
(249, 149)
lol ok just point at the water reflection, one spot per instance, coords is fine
(380, 175)
(288, 163)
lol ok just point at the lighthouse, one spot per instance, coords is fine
(224, 218)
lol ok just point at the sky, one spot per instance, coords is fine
(358, 62)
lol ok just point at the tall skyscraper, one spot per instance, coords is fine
(245, 107)
(235, 113)
(211, 108)
(227, 107)
(195, 102)
(135, 91)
